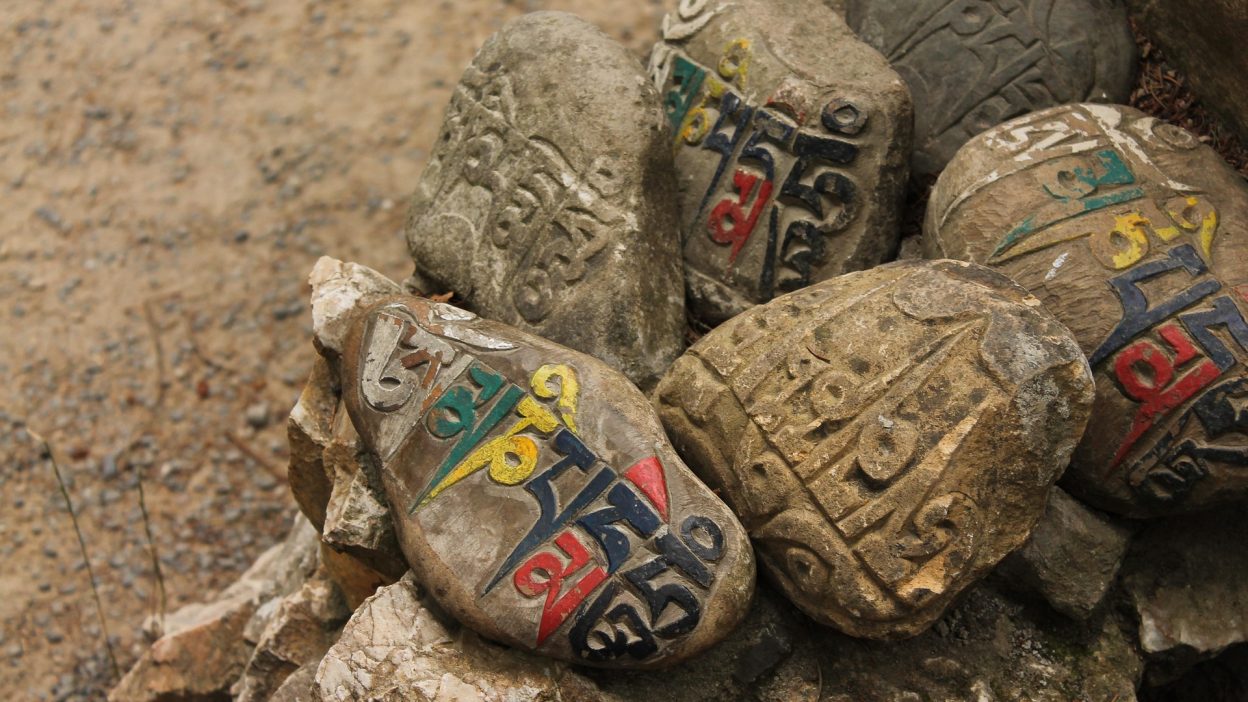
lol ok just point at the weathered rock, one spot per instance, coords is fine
(837, 6)
(547, 200)
(1133, 234)
(1187, 579)
(204, 650)
(308, 433)
(1072, 557)
(357, 520)
(512, 464)
(395, 649)
(886, 437)
(290, 632)
(1205, 40)
(792, 147)
(973, 64)
(988, 648)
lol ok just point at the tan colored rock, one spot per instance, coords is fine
(792, 142)
(547, 202)
(886, 437)
(308, 433)
(204, 650)
(534, 492)
(395, 649)
(1134, 235)
(356, 580)
(293, 631)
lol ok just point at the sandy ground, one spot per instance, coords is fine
(169, 172)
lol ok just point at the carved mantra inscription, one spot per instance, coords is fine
(973, 64)
(786, 183)
(547, 219)
(1176, 343)
(861, 469)
(610, 571)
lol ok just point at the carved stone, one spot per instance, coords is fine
(886, 437)
(792, 140)
(973, 64)
(533, 490)
(1133, 234)
(547, 200)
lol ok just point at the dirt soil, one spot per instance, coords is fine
(169, 172)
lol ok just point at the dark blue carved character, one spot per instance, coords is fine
(1137, 316)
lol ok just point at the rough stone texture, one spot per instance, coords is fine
(546, 202)
(1072, 557)
(204, 650)
(837, 6)
(1205, 40)
(792, 144)
(308, 433)
(512, 464)
(886, 437)
(396, 649)
(973, 64)
(988, 648)
(1187, 580)
(1133, 234)
(290, 632)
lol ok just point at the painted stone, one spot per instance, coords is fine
(791, 140)
(547, 202)
(533, 489)
(1205, 40)
(886, 437)
(1133, 234)
(973, 64)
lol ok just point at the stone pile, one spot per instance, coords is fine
(1014, 471)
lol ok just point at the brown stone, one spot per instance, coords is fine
(203, 650)
(547, 202)
(1072, 557)
(1205, 40)
(792, 142)
(1133, 234)
(886, 437)
(532, 487)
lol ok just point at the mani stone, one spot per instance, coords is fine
(1205, 40)
(531, 486)
(547, 202)
(1134, 235)
(886, 437)
(973, 64)
(792, 141)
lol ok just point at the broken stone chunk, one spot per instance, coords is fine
(534, 492)
(886, 437)
(1133, 234)
(547, 200)
(792, 142)
(1072, 557)
(973, 64)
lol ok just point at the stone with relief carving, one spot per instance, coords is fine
(531, 487)
(547, 202)
(886, 437)
(792, 141)
(1134, 234)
